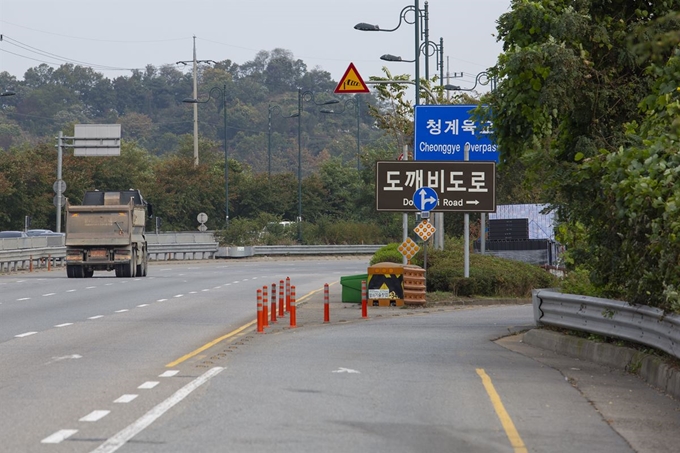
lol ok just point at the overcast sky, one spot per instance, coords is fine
(133, 33)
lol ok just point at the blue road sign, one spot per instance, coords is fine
(425, 199)
(442, 132)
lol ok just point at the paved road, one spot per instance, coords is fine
(178, 374)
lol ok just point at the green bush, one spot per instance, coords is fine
(489, 276)
(387, 254)
(578, 282)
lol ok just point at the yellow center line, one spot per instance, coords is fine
(227, 336)
(506, 421)
(209, 345)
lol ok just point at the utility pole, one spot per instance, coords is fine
(195, 96)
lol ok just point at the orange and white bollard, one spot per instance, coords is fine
(287, 293)
(260, 327)
(326, 304)
(281, 307)
(293, 319)
(265, 307)
(273, 303)
(30, 263)
(364, 300)
(49, 262)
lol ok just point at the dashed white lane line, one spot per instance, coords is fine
(205, 290)
(90, 287)
(120, 439)
(109, 284)
(142, 305)
(59, 436)
(127, 398)
(161, 300)
(71, 290)
(96, 317)
(94, 416)
(169, 373)
(27, 334)
(192, 292)
(66, 324)
(23, 298)
(123, 310)
(49, 294)
(148, 385)
(178, 295)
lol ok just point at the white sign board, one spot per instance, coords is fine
(96, 140)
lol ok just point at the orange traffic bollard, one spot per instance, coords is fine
(287, 293)
(49, 262)
(281, 307)
(265, 307)
(326, 304)
(293, 319)
(260, 327)
(364, 300)
(30, 263)
(273, 303)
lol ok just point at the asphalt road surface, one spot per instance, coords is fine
(171, 363)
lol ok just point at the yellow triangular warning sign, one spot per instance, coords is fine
(351, 82)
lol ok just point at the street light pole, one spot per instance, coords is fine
(310, 97)
(223, 93)
(354, 102)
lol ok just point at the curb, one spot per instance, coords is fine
(649, 368)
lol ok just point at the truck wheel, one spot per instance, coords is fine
(119, 270)
(133, 264)
(88, 273)
(75, 271)
(141, 268)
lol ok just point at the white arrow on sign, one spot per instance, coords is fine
(472, 202)
(423, 200)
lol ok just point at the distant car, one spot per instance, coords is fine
(12, 234)
(38, 232)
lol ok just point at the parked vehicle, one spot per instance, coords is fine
(12, 234)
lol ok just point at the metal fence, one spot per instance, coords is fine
(638, 323)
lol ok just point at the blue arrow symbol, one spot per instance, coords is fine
(423, 200)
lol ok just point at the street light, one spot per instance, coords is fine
(483, 78)
(272, 109)
(354, 103)
(418, 16)
(223, 92)
(309, 97)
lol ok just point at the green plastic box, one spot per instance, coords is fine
(351, 287)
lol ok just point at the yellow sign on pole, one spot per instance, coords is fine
(425, 230)
(408, 248)
(351, 82)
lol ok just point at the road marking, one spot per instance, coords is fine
(204, 290)
(71, 290)
(161, 300)
(96, 317)
(120, 439)
(66, 324)
(169, 373)
(49, 294)
(209, 345)
(65, 357)
(94, 416)
(142, 305)
(23, 298)
(148, 385)
(90, 287)
(127, 398)
(506, 421)
(178, 295)
(123, 310)
(59, 436)
(346, 370)
(192, 292)
(27, 334)
(109, 284)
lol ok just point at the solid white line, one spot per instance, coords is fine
(123, 310)
(59, 436)
(96, 317)
(169, 373)
(126, 398)
(64, 325)
(148, 385)
(23, 298)
(118, 440)
(94, 416)
(27, 334)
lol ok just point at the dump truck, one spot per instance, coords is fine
(107, 232)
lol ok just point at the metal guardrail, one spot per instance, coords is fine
(638, 323)
(315, 249)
